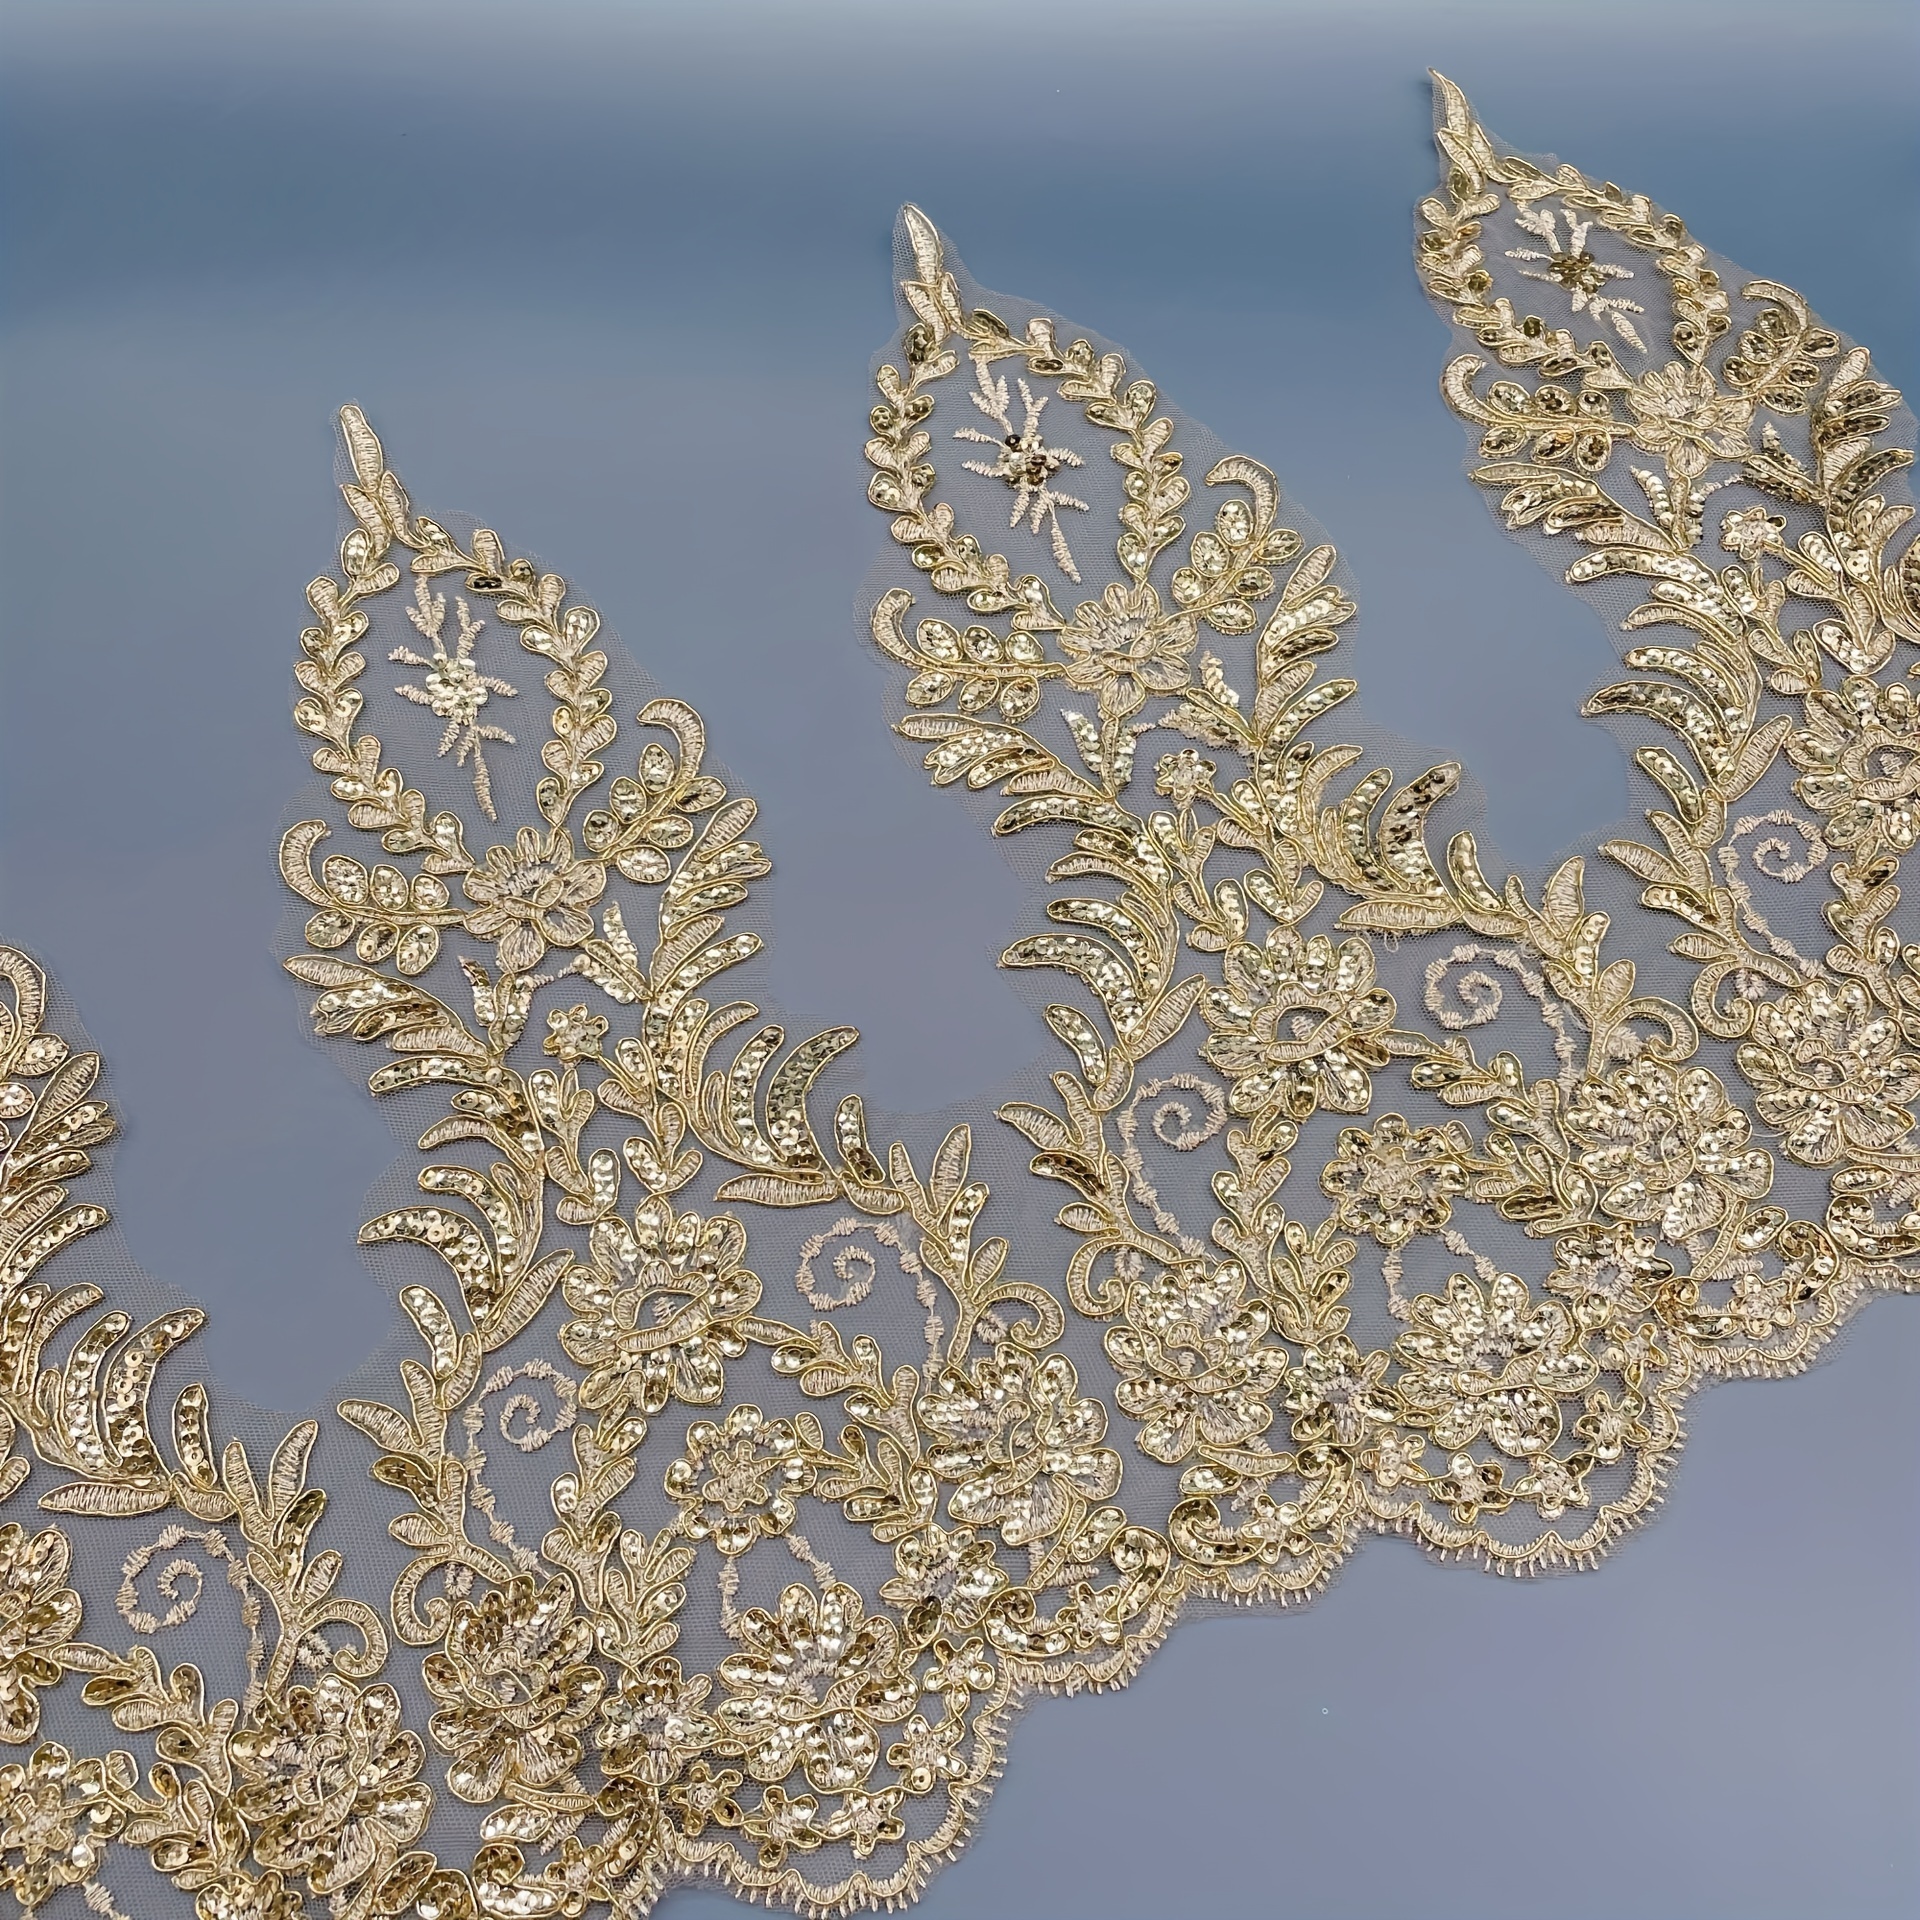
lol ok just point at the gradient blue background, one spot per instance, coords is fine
(609, 276)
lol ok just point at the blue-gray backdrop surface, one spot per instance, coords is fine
(609, 275)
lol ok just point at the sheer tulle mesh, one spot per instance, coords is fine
(742, 1470)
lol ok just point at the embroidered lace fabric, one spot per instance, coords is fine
(747, 1469)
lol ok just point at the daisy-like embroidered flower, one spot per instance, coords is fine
(867, 1820)
(1859, 761)
(1195, 1362)
(515, 1684)
(57, 1815)
(1397, 1181)
(1024, 461)
(1022, 1443)
(658, 1308)
(1666, 1148)
(942, 1580)
(1609, 1426)
(926, 1754)
(1553, 1485)
(39, 1614)
(1299, 1023)
(574, 1034)
(1123, 648)
(1182, 776)
(533, 896)
(1680, 414)
(1472, 1487)
(331, 1774)
(656, 1723)
(1336, 1392)
(1635, 1349)
(1491, 1360)
(703, 1795)
(455, 689)
(1829, 1069)
(1573, 269)
(1393, 1461)
(812, 1686)
(1608, 1270)
(737, 1483)
(1752, 531)
(1764, 1303)
(779, 1823)
(959, 1667)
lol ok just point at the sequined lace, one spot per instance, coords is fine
(1393, 1194)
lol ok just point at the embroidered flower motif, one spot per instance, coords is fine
(241, 1897)
(1859, 759)
(1764, 1303)
(577, 1877)
(658, 1309)
(654, 1724)
(1021, 1442)
(1260, 1528)
(515, 1685)
(1828, 1070)
(1395, 1182)
(1608, 1270)
(1752, 531)
(1575, 270)
(753, 1468)
(574, 1034)
(1636, 1350)
(1123, 648)
(1767, 1303)
(1393, 1461)
(455, 689)
(1298, 1024)
(1472, 1487)
(1194, 1361)
(778, 1824)
(330, 1773)
(867, 1820)
(57, 1815)
(1339, 1393)
(1666, 1147)
(705, 1795)
(533, 896)
(943, 1580)
(1553, 1486)
(1681, 415)
(1182, 776)
(1609, 1427)
(962, 1667)
(927, 1754)
(39, 1614)
(1492, 1361)
(812, 1686)
(1024, 461)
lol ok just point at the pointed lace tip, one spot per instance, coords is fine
(923, 239)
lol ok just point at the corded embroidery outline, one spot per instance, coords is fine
(992, 1468)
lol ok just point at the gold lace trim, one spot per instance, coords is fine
(1179, 1416)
